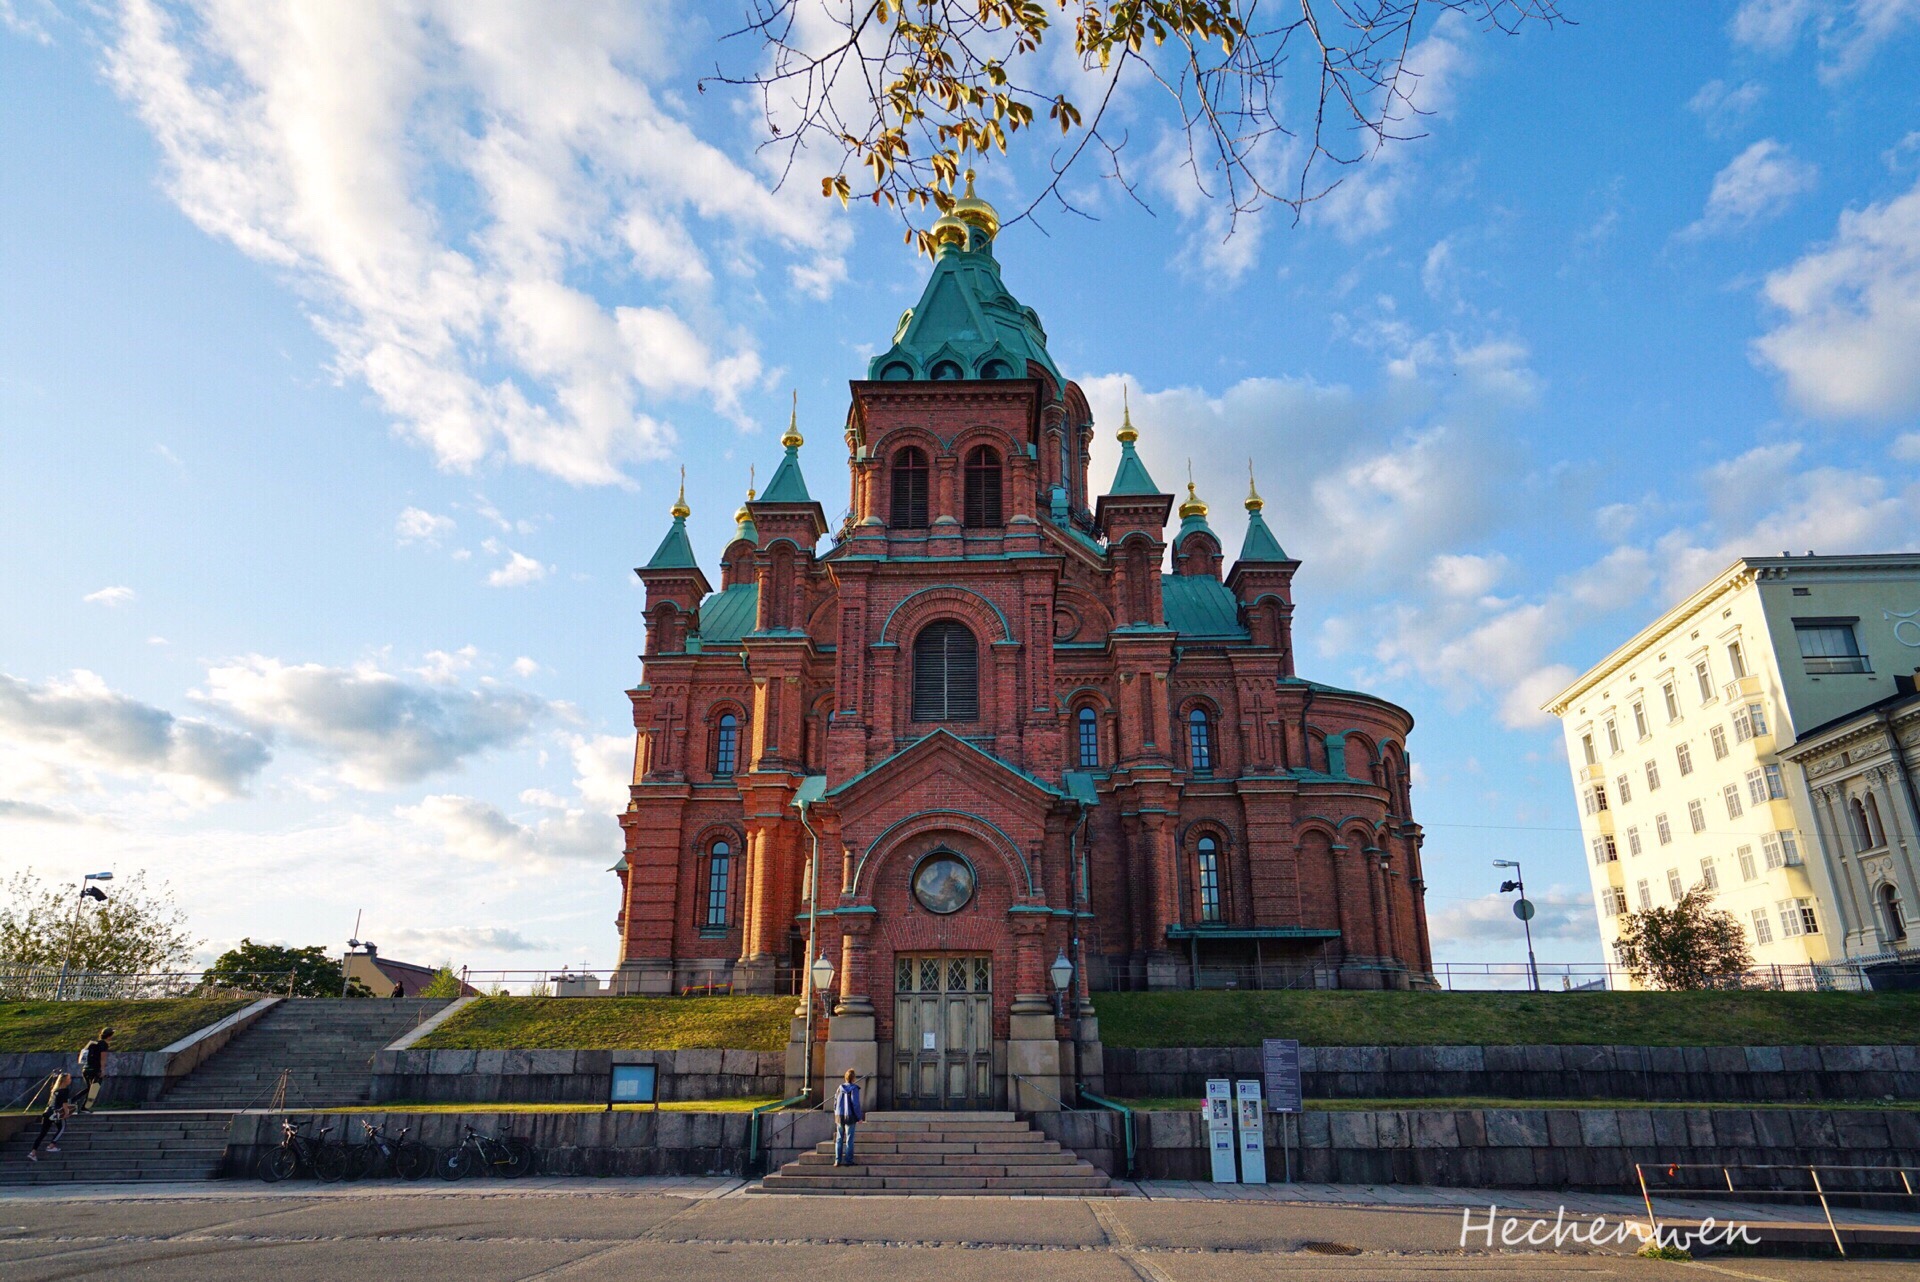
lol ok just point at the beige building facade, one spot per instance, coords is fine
(1677, 746)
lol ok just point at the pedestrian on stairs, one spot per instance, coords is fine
(93, 1067)
(53, 1120)
(847, 1113)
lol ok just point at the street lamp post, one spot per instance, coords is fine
(1523, 909)
(1061, 972)
(73, 928)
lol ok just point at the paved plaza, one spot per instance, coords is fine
(690, 1230)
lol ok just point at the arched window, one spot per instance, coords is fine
(1862, 835)
(726, 745)
(982, 508)
(1206, 867)
(719, 883)
(1891, 913)
(909, 510)
(1089, 725)
(1875, 829)
(946, 673)
(1199, 742)
(946, 370)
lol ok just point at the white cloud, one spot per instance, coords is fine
(434, 944)
(1466, 575)
(1562, 913)
(480, 832)
(1723, 107)
(1758, 184)
(603, 769)
(1771, 25)
(1848, 32)
(519, 570)
(524, 667)
(444, 667)
(315, 138)
(416, 525)
(1906, 447)
(50, 731)
(379, 730)
(109, 597)
(1849, 346)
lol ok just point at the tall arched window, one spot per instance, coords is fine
(909, 511)
(1862, 835)
(719, 883)
(1089, 726)
(1891, 913)
(1875, 829)
(982, 507)
(1206, 867)
(726, 745)
(1199, 742)
(946, 673)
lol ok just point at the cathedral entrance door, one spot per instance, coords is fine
(943, 1031)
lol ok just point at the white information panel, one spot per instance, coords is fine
(1253, 1132)
(1219, 1111)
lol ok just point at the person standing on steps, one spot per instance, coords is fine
(53, 1121)
(93, 1066)
(847, 1113)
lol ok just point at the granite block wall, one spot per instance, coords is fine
(570, 1077)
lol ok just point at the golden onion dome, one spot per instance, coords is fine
(947, 230)
(1254, 501)
(1193, 506)
(742, 516)
(1127, 434)
(680, 511)
(973, 211)
(793, 440)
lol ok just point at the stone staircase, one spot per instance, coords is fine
(905, 1153)
(122, 1145)
(325, 1044)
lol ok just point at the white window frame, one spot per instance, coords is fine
(1731, 795)
(1697, 815)
(1744, 856)
(1662, 829)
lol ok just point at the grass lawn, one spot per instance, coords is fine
(1160, 1104)
(670, 1106)
(137, 1025)
(1502, 1019)
(615, 1023)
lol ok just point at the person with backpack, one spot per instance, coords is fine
(53, 1119)
(93, 1067)
(847, 1113)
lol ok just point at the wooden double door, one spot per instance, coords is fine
(943, 1031)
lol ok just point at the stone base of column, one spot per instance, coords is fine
(1037, 1060)
(756, 974)
(1090, 1056)
(1164, 970)
(851, 1044)
(652, 975)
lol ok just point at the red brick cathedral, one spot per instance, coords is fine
(1006, 740)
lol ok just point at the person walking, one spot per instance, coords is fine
(847, 1113)
(93, 1067)
(53, 1120)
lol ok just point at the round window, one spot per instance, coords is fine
(943, 883)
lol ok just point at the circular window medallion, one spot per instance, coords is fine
(943, 883)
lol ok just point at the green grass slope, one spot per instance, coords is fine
(1506, 1019)
(137, 1025)
(615, 1023)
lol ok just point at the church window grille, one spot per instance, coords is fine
(719, 882)
(726, 746)
(1199, 742)
(1207, 857)
(982, 499)
(1089, 722)
(946, 674)
(909, 510)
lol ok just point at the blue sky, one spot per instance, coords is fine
(349, 354)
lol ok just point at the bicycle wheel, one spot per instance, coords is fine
(519, 1159)
(278, 1164)
(455, 1163)
(412, 1161)
(329, 1163)
(360, 1160)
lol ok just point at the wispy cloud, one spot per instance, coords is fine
(1758, 184)
(110, 596)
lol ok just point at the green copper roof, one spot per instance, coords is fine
(1199, 605)
(676, 550)
(1131, 478)
(729, 614)
(966, 325)
(1260, 545)
(787, 485)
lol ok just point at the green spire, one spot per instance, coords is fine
(1131, 478)
(676, 550)
(787, 485)
(1259, 545)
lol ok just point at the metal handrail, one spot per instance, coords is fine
(1035, 1083)
(1126, 1122)
(753, 1125)
(1818, 1190)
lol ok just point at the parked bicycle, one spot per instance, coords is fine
(326, 1159)
(381, 1154)
(510, 1156)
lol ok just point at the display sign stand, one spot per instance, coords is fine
(634, 1084)
(1253, 1132)
(1219, 1116)
(1280, 1071)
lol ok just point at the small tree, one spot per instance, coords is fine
(313, 971)
(1690, 945)
(134, 930)
(443, 984)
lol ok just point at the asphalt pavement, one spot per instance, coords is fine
(694, 1230)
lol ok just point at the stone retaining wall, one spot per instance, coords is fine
(1509, 1148)
(627, 1142)
(1708, 1075)
(568, 1077)
(132, 1077)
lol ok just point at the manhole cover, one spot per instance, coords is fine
(1329, 1248)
